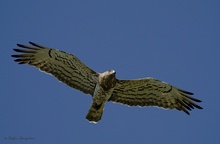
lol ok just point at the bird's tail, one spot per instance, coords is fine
(95, 112)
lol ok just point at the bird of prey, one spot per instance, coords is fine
(104, 87)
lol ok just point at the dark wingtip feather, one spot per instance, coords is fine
(34, 44)
(22, 63)
(15, 56)
(188, 104)
(194, 99)
(185, 105)
(186, 92)
(188, 101)
(18, 60)
(186, 111)
(21, 45)
(19, 50)
(198, 107)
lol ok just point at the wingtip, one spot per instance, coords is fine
(197, 100)
(14, 56)
(186, 112)
(36, 45)
(192, 98)
(20, 45)
(186, 92)
(199, 107)
(32, 43)
(17, 50)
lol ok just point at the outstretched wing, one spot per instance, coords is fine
(151, 92)
(64, 66)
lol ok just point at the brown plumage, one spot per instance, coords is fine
(104, 86)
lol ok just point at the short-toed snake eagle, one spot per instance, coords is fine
(104, 86)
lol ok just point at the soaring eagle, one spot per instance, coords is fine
(104, 87)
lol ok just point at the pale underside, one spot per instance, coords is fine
(70, 70)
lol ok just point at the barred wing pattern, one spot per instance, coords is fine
(71, 71)
(151, 92)
(64, 66)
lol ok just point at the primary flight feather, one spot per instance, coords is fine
(104, 86)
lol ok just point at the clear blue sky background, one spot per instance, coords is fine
(174, 41)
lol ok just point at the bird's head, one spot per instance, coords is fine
(107, 79)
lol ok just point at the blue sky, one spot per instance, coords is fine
(174, 41)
